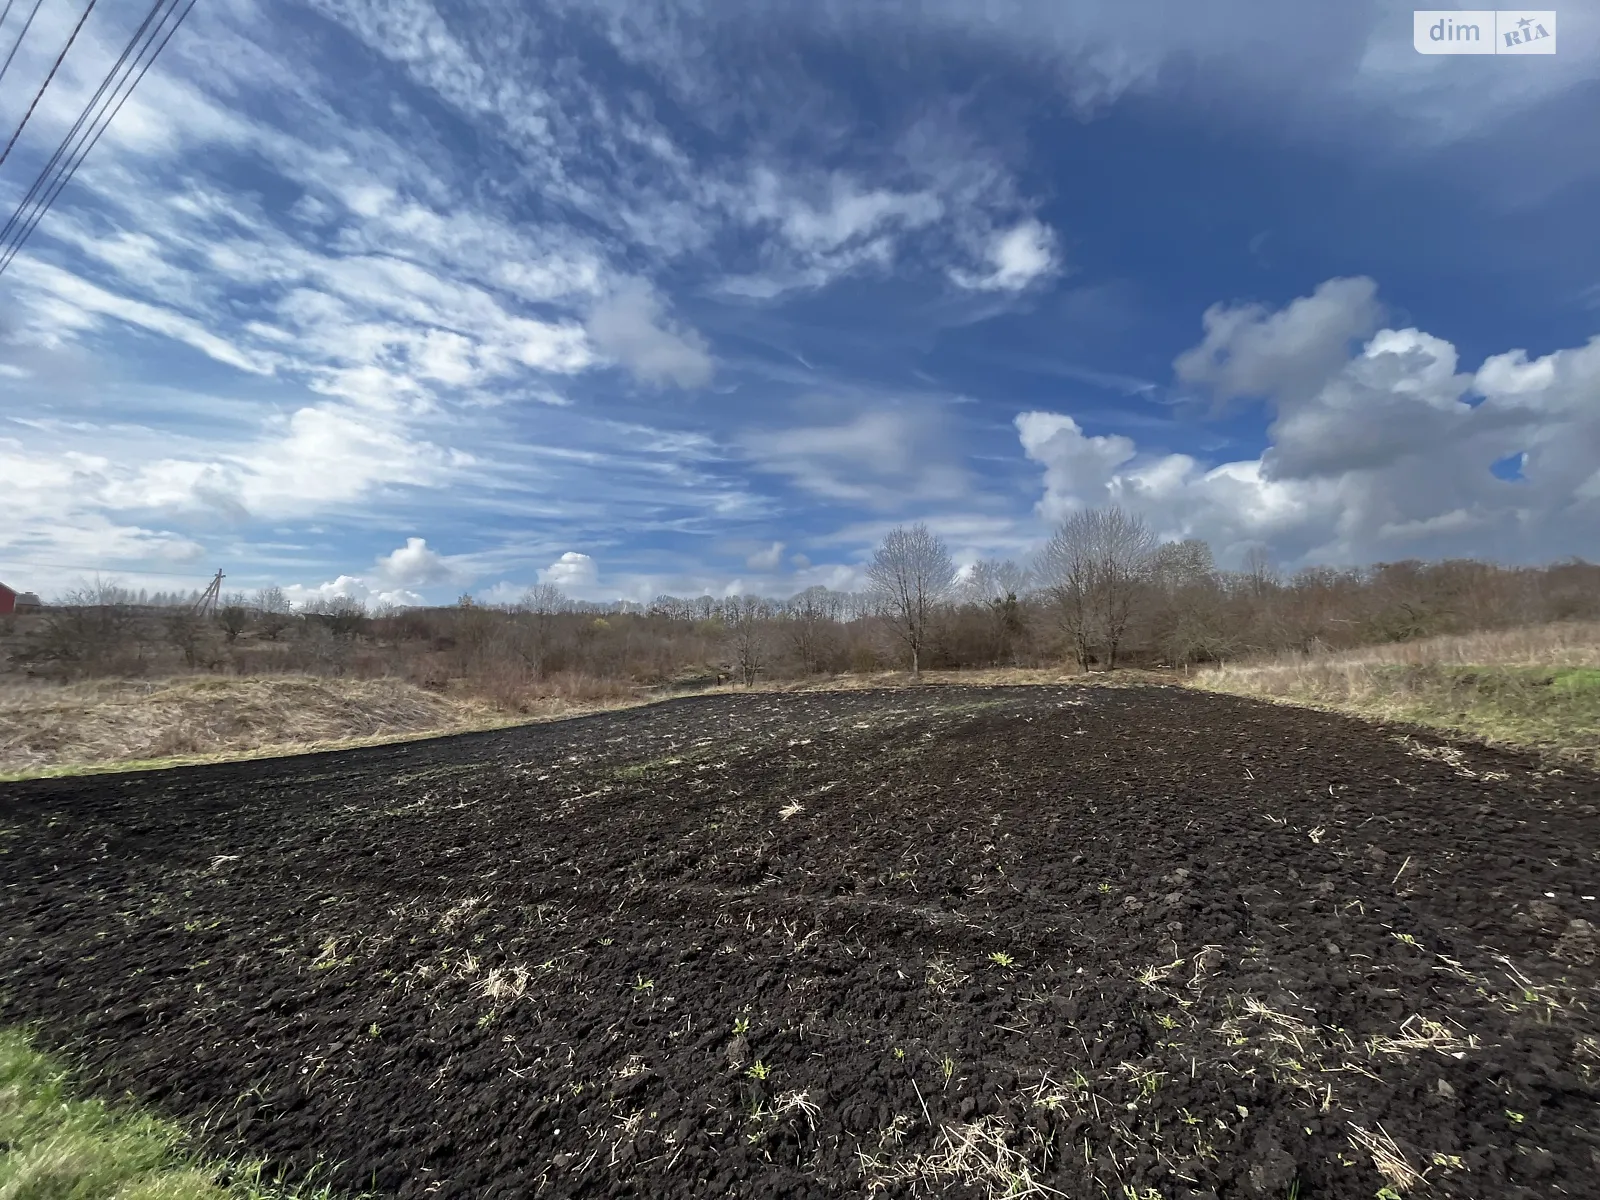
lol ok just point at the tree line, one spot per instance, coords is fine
(1103, 592)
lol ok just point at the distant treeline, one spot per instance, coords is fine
(1103, 593)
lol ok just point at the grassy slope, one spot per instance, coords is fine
(127, 725)
(54, 1146)
(1537, 687)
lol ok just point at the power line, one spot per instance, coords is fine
(45, 179)
(39, 95)
(4, 13)
(46, 189)
(24, 33)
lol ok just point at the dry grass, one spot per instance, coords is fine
(1537, 686)
(121, 724)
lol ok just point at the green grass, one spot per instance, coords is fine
(1552, 709)
(57, 1146)
(1548, 708)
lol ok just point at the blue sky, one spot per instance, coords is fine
(399, 299)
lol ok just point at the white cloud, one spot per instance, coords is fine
(631, 326)
(1374, 454)
(1017, 258)
(350, 587)
(572, 572)
(765, 560)
(883, 458)
(414, 565)
(1250, 351)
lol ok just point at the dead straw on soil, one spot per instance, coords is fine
(1536, 687)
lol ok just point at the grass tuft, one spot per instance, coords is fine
(1537, 687)
(55, 1146)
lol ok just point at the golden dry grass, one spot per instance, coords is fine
(120, 724)
(1537, 686)
(104, 724)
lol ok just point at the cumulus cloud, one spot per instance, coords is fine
(351, 587)
(393, 579)
(1016, 258)
(571, 572)
(632, 327)
(414, 565)
(1382, 451)
(1251, 351)
(765, 560)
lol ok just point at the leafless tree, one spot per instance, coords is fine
(534, 633)
(233, 618)
(1258, 569)
(1092, 568)
(747, 633)
(343, 616)
(186, 632)
(91, 630)
(911, 573)
(808, 626)
(544, 599)
(997, 586)
(274, 612)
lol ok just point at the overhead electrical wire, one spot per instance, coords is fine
(45, 179)
(39, 95)
(6, 66)
(136, 59)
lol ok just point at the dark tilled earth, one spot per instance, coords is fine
(1127, 943)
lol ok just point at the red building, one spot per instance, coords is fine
(17, 602)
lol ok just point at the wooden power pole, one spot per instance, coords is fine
(206, 606)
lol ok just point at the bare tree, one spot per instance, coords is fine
(746, 624)
(538, 610)
(1258, 569)
(997, 586)
(343, 616)
(808, 625)
(91, 630)
(274, 613)
(1092, 568)
(233, 618)
(911, 573)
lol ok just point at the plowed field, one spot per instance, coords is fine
(1125, 943)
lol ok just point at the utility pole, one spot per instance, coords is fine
(206, 606)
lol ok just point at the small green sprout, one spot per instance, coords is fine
(741, 1025)
(641, 984)
(1001, 959)
(607, 941)
(1105, 888)
(1388, 1193)
(948, 1066)
(373, 1030)
(899, 1051)
(759, 1070)
(1516, 1117)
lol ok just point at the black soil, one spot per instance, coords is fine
(1125, 943)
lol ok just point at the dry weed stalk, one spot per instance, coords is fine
(1387, 1157)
